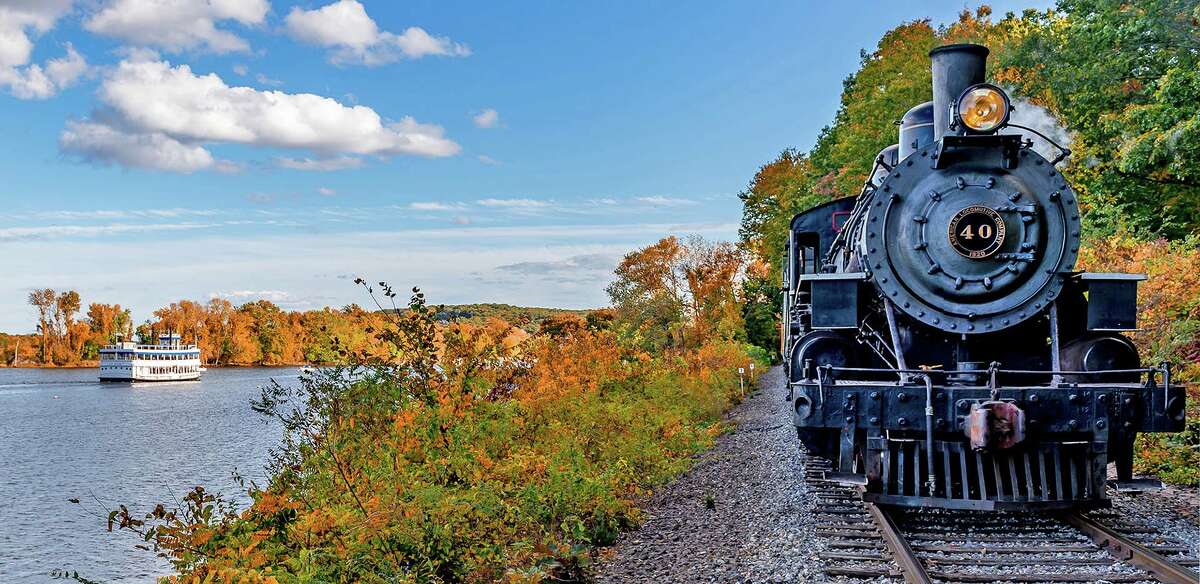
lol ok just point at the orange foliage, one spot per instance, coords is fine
(1168, 330)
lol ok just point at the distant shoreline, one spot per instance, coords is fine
(95, 364)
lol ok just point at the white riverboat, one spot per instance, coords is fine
(169, 360)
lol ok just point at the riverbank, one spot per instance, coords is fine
(94, 364)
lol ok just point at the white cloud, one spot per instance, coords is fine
(453, 264)
(97, 142)
(661, 201)
(241, 70)
(178, 25)
(488, 160)
(326, 191)
(434, 206)
(354, 38)
(54, 231)
(587, 266)
(107, 214)
(488, 118)
(244, 295)
(320, 164)
(33, 81)
(264, 80)
(150, 104)
(514, 203)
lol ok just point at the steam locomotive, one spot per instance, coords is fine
(940, 347)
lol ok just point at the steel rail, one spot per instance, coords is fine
(911, 566)
(1127, 550)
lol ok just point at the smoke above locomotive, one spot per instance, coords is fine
(940, 345)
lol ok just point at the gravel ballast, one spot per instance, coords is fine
(741, 514)
(744, 513)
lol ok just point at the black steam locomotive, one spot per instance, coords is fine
(940, 346)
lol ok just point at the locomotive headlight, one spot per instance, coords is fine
(983, 108)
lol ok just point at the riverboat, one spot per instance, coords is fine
(168, 360)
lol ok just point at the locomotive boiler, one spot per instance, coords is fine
(940, 346)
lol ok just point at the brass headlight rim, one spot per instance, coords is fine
(958, 103)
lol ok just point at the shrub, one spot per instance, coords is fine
(461, 457)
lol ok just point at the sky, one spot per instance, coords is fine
(157, 150)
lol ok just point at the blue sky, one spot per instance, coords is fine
(498, 152)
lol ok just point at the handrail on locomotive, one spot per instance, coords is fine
(952, 275)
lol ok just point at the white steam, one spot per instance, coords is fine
(1026, 113)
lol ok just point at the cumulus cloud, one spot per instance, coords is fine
(150, 104)
(355, 39)
(19, 19)
(326, 191)
(100, 143)
(488, 118)
(320, 164)
(178, 25)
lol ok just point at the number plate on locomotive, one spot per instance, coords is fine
(976, 231)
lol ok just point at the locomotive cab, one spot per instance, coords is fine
(939, 343)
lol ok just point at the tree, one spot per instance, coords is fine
(677, 294)
(761, 309)
(1124, 77)
(67, 306)
(562, 325)
(108, 321)
(44, 301)
(217, 344)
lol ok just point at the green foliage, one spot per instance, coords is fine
(762, 357)
(1125, 78)
(761, 306)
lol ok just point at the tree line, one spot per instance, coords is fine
(253, 333)
(476, 451)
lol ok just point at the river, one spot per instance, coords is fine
(65, 435)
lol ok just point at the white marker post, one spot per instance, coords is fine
(742, 381)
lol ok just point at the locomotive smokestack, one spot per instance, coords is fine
(955, 68)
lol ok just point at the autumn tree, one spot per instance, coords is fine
(673, 292)
(44, 301)
(67, 307)
(562, 325)
(105, 323)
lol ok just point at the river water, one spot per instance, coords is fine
(64, 435)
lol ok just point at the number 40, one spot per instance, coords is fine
(985, 231)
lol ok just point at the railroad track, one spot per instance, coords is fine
(869, 542)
